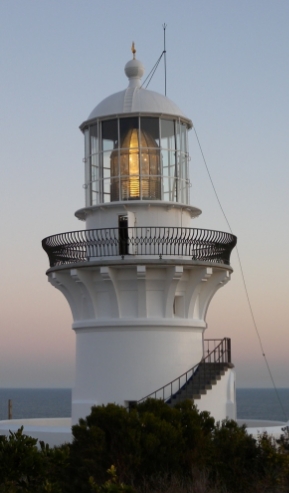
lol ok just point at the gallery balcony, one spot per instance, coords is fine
(155, 242)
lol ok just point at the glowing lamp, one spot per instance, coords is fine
(135, 168)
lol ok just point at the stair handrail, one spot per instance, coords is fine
(220, 354)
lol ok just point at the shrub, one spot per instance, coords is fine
(152, 440)
(23, 467)
(153, 449)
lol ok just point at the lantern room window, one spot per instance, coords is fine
(136, 158)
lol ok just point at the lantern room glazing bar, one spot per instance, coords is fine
(136, 158)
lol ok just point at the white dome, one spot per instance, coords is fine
(136, 99)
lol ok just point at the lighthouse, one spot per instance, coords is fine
(139, 278)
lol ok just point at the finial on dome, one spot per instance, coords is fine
(134, 69)
(133, 50)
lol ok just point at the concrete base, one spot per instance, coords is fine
(56, 431)
(256, 427)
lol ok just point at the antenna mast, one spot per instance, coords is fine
(165, 57)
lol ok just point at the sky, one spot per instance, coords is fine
(228, 70)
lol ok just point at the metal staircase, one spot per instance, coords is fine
(206, 375)
(199, 379)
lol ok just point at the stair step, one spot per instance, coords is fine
(206, 386)
(189, 394)
(207, 375)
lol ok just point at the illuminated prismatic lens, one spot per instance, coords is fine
(135, 168)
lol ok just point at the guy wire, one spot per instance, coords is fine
(244, 283)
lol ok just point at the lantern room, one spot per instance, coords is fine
(136, 147)
(136, 158)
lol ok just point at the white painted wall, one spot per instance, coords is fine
(137, 327)
(220, 401)
(128, 290)
(117, 365)
(151, 213)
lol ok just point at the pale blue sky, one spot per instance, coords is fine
(227, 69)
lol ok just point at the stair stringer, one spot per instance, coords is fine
(220, 400)
(218, 397)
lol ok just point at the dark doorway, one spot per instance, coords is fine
(123, 234)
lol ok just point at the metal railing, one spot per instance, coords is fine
(92, 244)
(214, 350)
(220, 354)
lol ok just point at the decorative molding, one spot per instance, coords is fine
(174, 275)
(142, 292)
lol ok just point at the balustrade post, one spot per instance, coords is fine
(229, 349)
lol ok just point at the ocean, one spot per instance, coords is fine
(56, 403)
(36, 403)
(263, 404)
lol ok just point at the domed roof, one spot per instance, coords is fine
(136, 99)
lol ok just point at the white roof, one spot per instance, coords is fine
(136, 99)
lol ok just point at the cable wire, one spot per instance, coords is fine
(165, 57)
(244, 284)
(152, 72)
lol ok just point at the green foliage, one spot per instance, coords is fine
(283, 441)
(153, 448)
(150, 440)
(155, 441)
(274, 459)
(235, 456)
(112, 485)
(197, 428)
(109, 435)
(56, 464)
(160, 433)
(22, 465)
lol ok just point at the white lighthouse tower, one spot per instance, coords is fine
(139, 278)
